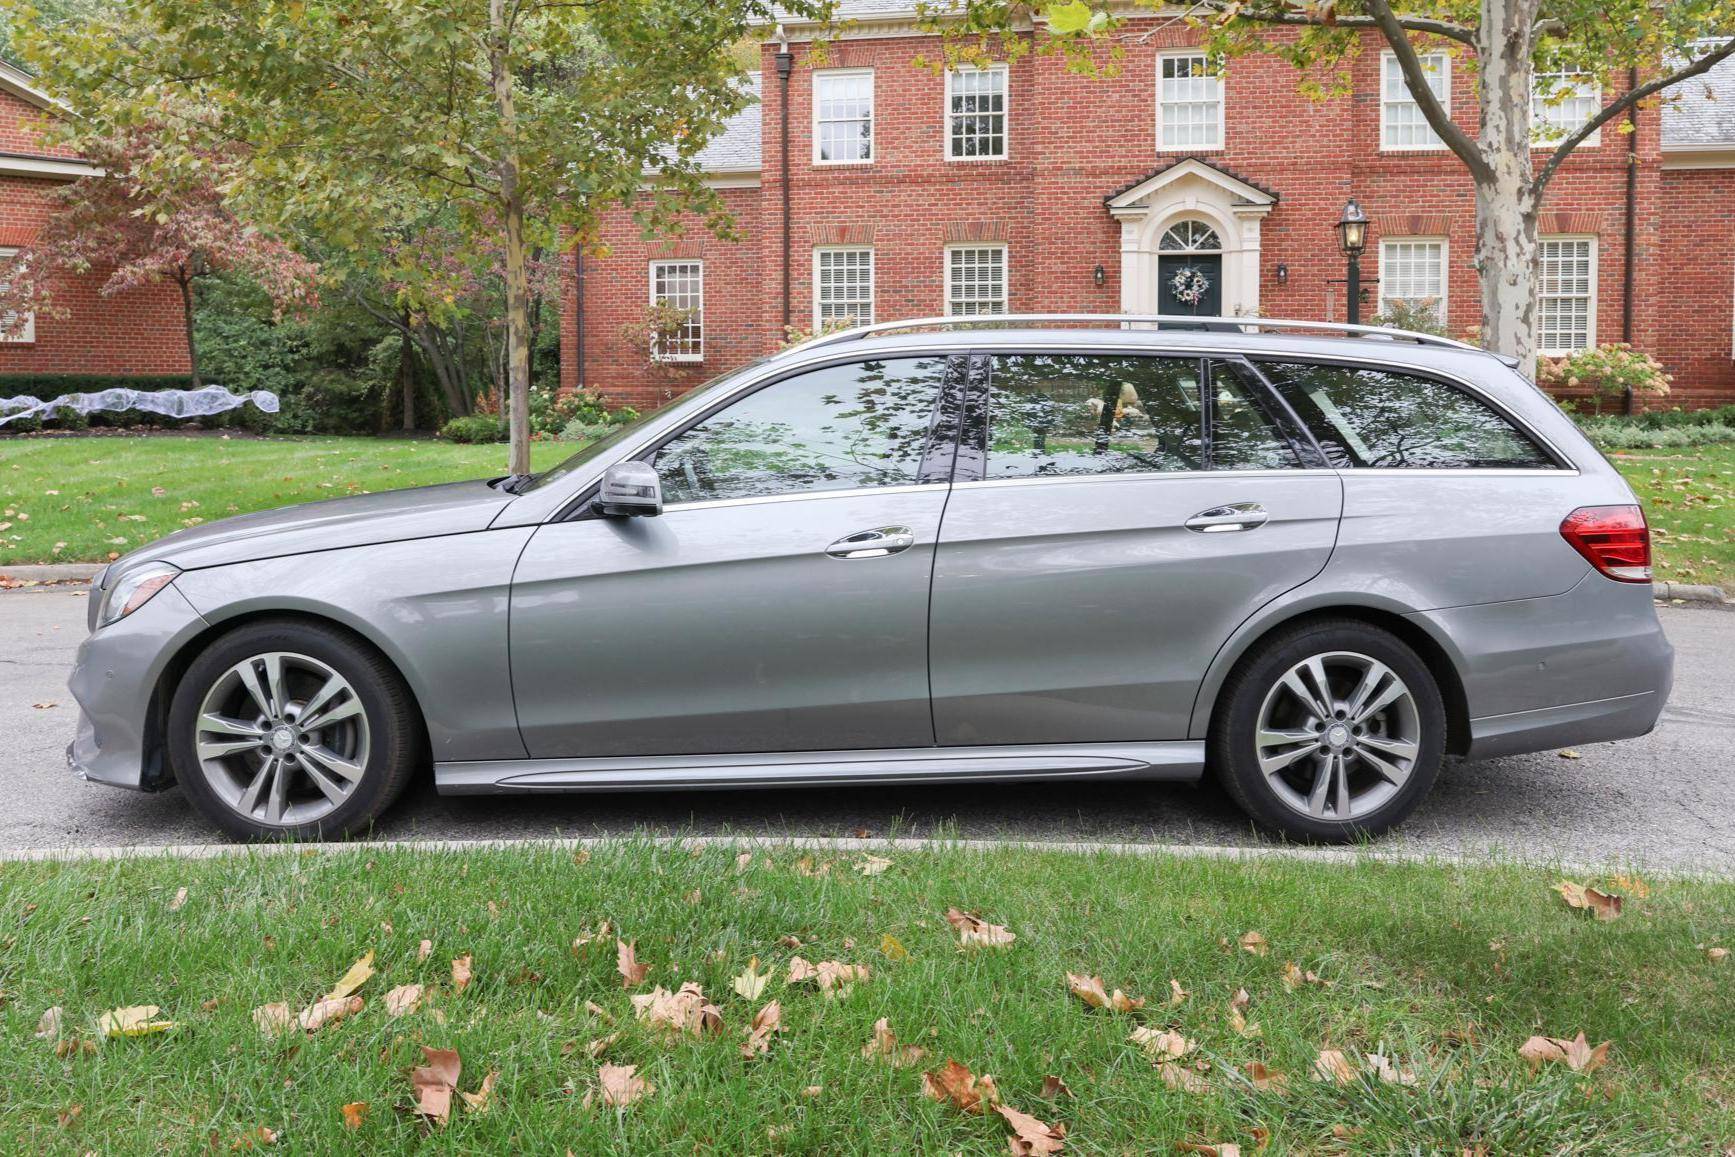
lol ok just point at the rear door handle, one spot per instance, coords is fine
(1234, 516)
(876, 543)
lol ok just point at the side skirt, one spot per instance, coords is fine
(1182, 760)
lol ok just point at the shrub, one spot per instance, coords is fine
(1420, 316)
(583, 432)
(473, 429)
(1605, 373)
(1625, 434)
(551, 412)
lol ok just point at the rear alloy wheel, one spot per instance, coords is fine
(290, 730)
(1331, 731)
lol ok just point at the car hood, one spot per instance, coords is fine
(359, 520)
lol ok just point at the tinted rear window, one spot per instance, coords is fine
(1364, 416)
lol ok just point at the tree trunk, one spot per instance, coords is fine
(1506, 196)
(186, 284)
(517, 274)
(407, 376)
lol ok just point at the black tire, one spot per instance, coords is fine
(1235, 758)
(394, 726)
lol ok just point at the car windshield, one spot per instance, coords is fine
(621, 433)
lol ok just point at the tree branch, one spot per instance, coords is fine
(1631, 97)
(1439, 117)
(1416, 24)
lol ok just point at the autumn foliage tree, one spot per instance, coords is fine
(145, 223)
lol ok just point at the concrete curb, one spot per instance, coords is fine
(1343, 856)
(52, 572)
(1689, 592)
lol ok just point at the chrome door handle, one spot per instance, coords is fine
(876, 543)
(1234, 516)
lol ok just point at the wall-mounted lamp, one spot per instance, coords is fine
(1099, 276)
(1282, 273)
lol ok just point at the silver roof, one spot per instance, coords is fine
(1700, 113)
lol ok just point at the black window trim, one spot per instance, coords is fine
(1558, 459)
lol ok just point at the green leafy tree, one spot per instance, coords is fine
(526, 119)
(1511, 47)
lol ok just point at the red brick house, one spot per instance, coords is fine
(140, 332)
(894, 190)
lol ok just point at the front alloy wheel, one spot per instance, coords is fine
(1330, 730)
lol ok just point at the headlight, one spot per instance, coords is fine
(133, 590)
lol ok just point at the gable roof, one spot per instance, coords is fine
(1700, 113)
(1140, 187)
(737, 148)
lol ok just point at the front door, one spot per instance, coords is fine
(1088, 576)
(780, 603)
(1190, 283)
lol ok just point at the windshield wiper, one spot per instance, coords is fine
(512, 483)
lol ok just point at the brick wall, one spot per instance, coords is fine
(140, 331)
(1074, 140)
(1696, 289)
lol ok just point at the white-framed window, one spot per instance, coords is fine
(976, 100)
(975, 279)
(1562, 102)
(843, 287)
(843, 116)
(680, 285)
(1565, 294)
(1403, 128)
(10, 328)
(1413, 271)
(1189, 101)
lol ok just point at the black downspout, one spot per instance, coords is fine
(785, 64)
(578, 306)
(1631, 238)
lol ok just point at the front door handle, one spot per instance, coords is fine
(1234, 516)
(876, 543)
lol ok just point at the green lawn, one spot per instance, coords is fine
(1442, 971)
(88, 499)
(83, 499)
(1689, 497)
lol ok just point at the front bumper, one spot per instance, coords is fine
(115, 679)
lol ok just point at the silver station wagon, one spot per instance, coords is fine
(1311, 563)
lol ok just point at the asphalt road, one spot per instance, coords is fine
(1664, 801)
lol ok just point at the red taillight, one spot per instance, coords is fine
(1614, 538)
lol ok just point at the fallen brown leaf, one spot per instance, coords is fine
(1237, 1015)
(1254, 942)
(885, 1044)
(435, 1082)
(48, 1027)
(1053, 1087)
(1031, 1136)
(478, 1102)
(806, 867)
(892, 948)
(68, 1115)
(1568, 753)
(1388, 1073)
(179, 900)
(1182, 1078)
(461, 972)
(1575, 1054)
(139, 1020)
(956, 1084)
(1716, 955)
(813, 1090)
(1162, 1044)
(255, 1138)
(752, 982)
(403, 1000)
(353, 979)
(1634, 886)
(1331, 1065)
(424, 950)
(766, 1021)
(1209, 1148)
(829, 975)
(1090, 990)
(599, 1012)
(328, 1011)
(1265, 1078)
(873, 865)
(973, 932)
(354, 1114)
(596, 1048)
(685, 1010)
(1602, 905)
(627, 964)
(620, 1087)
(1177, 994)
(1294, 977)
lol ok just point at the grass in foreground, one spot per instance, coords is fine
(87, 499)
(1445, 971)
(1689, 497)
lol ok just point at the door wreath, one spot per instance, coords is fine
(1189, 285)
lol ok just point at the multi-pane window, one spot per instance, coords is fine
(976, 113)
(678, 297)
(13, 327)
(843, 116)
(843, 288)
(975, 279)
(1414, 272)
(1566, 295)
(1189, 102)
(1402, 125)
(1561, 103)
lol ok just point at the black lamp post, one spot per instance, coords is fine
(1352, 236)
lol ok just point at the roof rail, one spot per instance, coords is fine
(1243, 324)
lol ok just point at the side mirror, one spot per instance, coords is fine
(629, 490)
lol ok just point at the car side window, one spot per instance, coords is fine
(1369, 417)
(1053, 415)
(840, 427)
(1244, 433)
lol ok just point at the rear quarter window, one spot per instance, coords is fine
(1364, 416)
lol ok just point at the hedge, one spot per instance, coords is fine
(46, 386)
